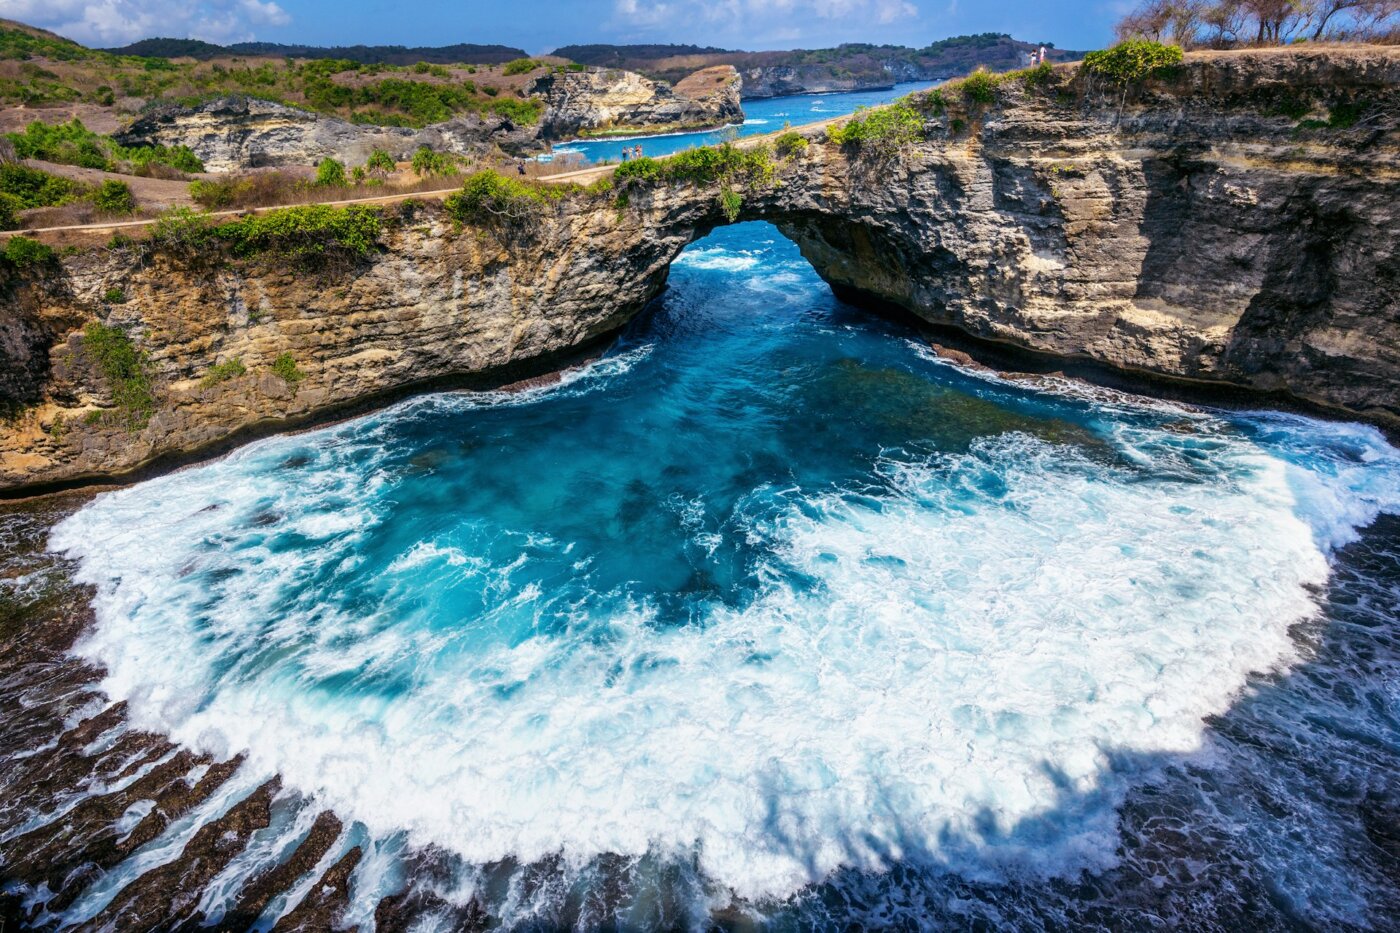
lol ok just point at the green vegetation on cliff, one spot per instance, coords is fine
(124, 368)
(1134, 60)
(74, 144)
(731, 168)
(880, 130)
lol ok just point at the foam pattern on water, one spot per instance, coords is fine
(766, 593)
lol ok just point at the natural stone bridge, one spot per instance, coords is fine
(1187, 230)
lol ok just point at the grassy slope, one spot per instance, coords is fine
(39, 69)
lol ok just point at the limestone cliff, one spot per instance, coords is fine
(603, 100)
(233, 133)
(1237, 224)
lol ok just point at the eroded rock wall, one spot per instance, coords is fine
(1237, 225)
(611, 99)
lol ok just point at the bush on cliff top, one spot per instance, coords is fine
(1133, 60)
(114, 197)
(490, 199)
(21, 252)
(881, 130)
(310, 232)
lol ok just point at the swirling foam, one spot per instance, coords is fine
(967, 665)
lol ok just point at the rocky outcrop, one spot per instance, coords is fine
(1237, 225)
(233, 133)
(764, 81)
(580, 102)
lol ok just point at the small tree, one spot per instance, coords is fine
(330, 174)
(380, 163)
(114, 197)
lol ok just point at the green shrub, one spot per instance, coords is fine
(725, 163)
(427, 162)
(489, 198)
(286, 367)
(790, 144)
(10, 206)
(72, 143)
(980, 87)
(882, 130)
(730, 203)
(21, 252)
(330, 174)
(222, 372)
(381, 162)
(645, 168)
(1134, 60)
(212, 195)
(182, 231)
(114, 296)
(114, 197)
(523, 112)
(520, 66)
(1036, 77)
(34, 188)
(309, 232)
(124, 368)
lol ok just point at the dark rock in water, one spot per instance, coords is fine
(166, 898)
(260, 890)
(325, 903)
(70, 852)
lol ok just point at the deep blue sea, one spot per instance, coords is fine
(760, 116)
(770, 616)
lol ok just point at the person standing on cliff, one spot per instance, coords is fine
(1042, 56)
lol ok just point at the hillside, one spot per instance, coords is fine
(848, 66)
(366, 54)
(40, 71)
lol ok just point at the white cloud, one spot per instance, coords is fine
(747, 21)
(117, 22)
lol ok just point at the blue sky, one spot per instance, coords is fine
(541, 25)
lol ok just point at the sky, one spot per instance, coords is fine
(542, 25)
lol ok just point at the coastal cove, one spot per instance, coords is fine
(966, 507)
(517, 598)
(766, 115)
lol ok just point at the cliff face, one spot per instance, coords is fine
(1236, 225)
(579, 102)
(234, 133)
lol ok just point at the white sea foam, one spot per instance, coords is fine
(717, 258)
(979, 664)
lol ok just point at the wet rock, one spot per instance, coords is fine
(259, 891)
(165, 898)
(77, 846)
(322, 907)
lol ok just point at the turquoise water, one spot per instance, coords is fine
(771, 611)
(760, 116)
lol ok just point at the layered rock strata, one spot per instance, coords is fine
(612, 100)
(1236, 224)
